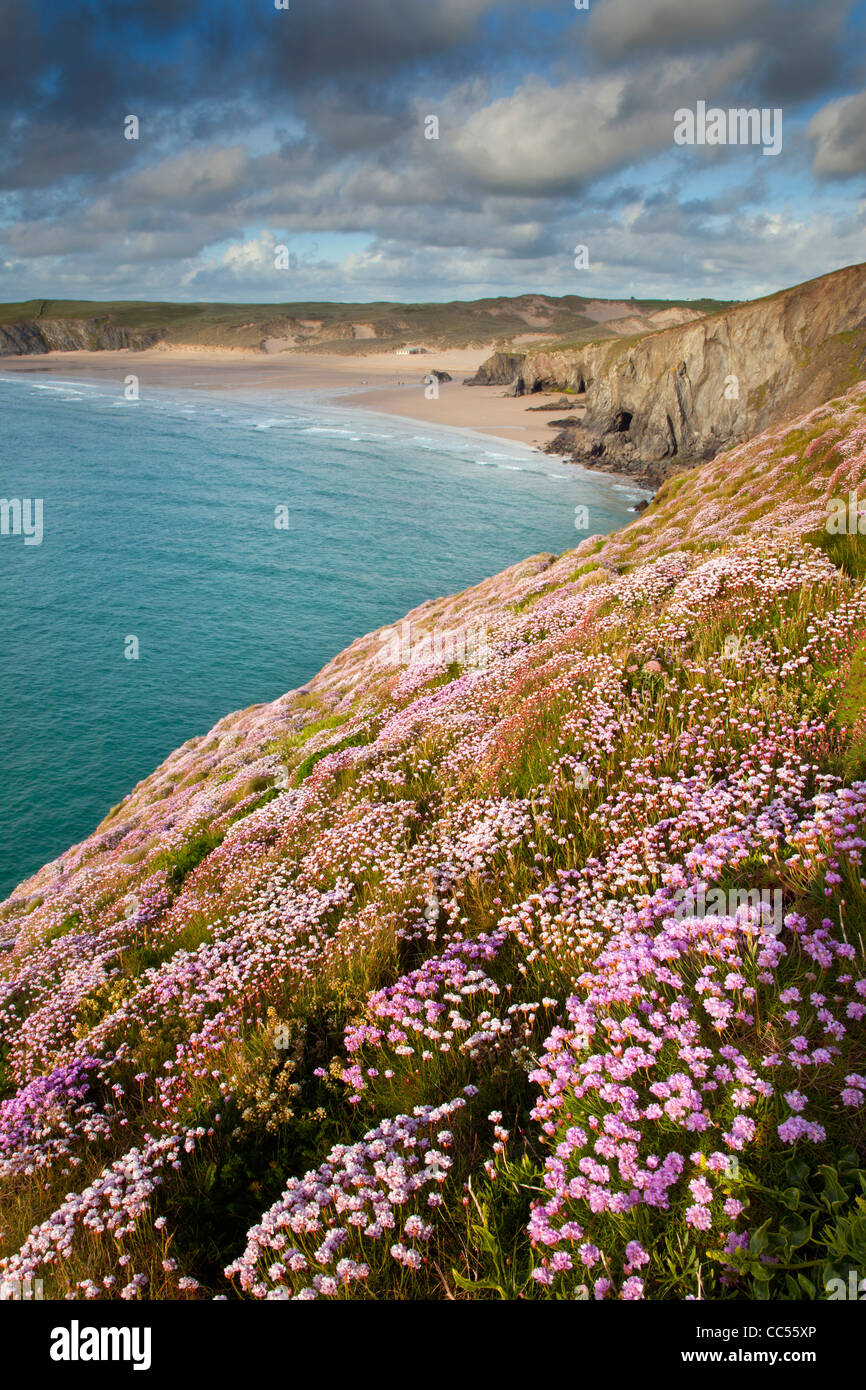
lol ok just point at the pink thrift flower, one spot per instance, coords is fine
(699, 1217)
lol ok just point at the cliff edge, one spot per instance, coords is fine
(677, 397)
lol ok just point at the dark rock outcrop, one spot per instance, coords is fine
(499, 370)
(675, 398)
(562, 404)
(72, 335)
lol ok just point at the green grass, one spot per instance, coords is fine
(285, 747)
(353, 741)
(70, 923)
(847, 553)
(180, 862)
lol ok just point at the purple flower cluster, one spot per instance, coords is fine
(309, 1243)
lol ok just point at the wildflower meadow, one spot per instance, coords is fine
(385, 990)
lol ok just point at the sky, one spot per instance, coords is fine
(308, 127)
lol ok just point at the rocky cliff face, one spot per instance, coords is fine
(678, 396)
(71, 335)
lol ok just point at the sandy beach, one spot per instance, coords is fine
(381, 382)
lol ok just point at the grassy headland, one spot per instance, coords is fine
(404, 985)
(331, 327)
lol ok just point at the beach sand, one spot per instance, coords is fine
(380, 382)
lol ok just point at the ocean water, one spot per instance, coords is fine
(158, 523)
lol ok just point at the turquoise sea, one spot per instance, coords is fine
(158, 523)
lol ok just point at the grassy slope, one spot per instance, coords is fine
(434, 905)
(459, 323)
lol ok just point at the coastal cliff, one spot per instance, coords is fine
(469, 977)
(34, 336)
(676, 397)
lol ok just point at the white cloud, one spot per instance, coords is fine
(545, 138)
